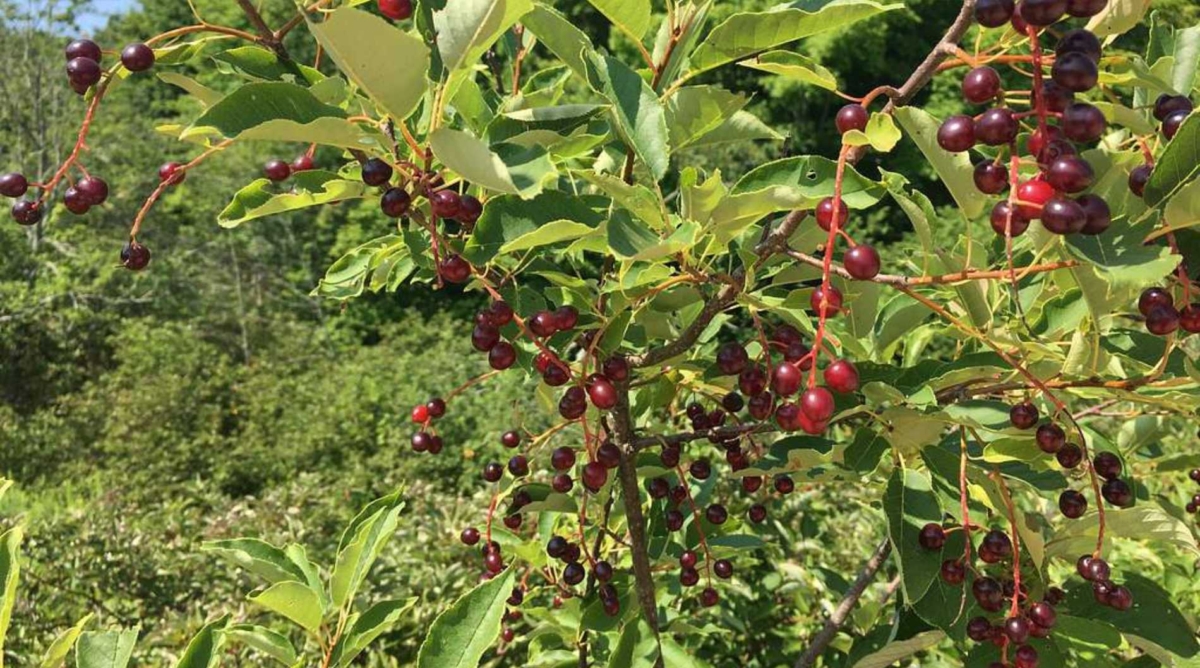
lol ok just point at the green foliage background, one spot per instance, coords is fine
(212, 397)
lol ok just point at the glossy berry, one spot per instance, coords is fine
(1153, 297)
(1091, 568)
(1070, 174)
(137, 57)
(94, 189)
(565, 318)
(420, 414)
(376, 172)
(562, 483)
(990, 177)
(1097, 215)
(543, 324)
(786, 379)
(995, 544)
(1051, 438)
(172, 173)
(1042, 12)
(502, 356)
(1086, 8)
(956, 134)
(841, 376)
(1120, 598)
(1171, 124)
(1017, 629)
(1043, 614)
(396, 10)
(1072, 504)
(851, 117)
(518, 466)
(454, 269)
(445, 203)
(1138, 176)
(609, 455)
(83, 72)
(981, 85)
(830, 300)
(996, 127)
(1041, 138)
(988, 593)
(757, 513)
(1055, 97)
(716, 514)
(1069, 456)
(1189, 318)
(13, 185)
(932, 536)
(978, 629)
(1162, 320)
(1023, 415)
(824, 213)
(862, 262)
(493, 471)
(594, 476)
(469, 210)
(1167, 104)
(277, 170)
(303, 163)
(135, 256)
(420, 441)
(993, 13)
(602, 393)
(1079, 41)
(817, 404)
(395, 202)
(1001, 223)
(761, 405)
(784, 484)
(1075, 71)
(953, 572)
(1031, 195)
(752, 381)
(616, 368)
(83, 48)
(1082, 122)
(75, 201)
(1117, 492)
(1061, 215)
(788, 416)
(1107, 465)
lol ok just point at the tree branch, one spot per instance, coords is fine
(266, 35)
(832, 625)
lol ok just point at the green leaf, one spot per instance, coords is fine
(309, 188)
(1153, 615)
(1182, 210)
(10, 575)
(273, 644)
(467, 28)
(910, 504)
(1144, 522)
(278, 112)
(386, 63)
(204, 94)
(508, 218)
(748, 33)
(631, 16)
(637, 646)
(630, 239)
(295, 601)
(640, 117)
(204, 649)
(694, 111)
(461, 634)
(559, 35)
(881, 133)
(955, 169)
(258, 557)
(505, 168)
(640, 200)
(105, 649)
(793, 66)
(377, 620)
(1118, 16)
(680, 46)
(897, 651)
(1120, 257)
(742, 126)
(360, 545)
(865, 452)
(347, 277)
(1180, 162)
(57, 653)
(265, 64)
(561, 119)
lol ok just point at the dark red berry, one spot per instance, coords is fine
(75, 201)
(817, 404)
(1120, 598)
(824, 213)
(1085, 8)
(786, 379)
(862, 262)
(752, 382)
(1138, 176)
(493, 471)
(1023, 415)
(172, 172)
(997, 544)
(594, 476)
(978, 629)
(830, 300)
(1079, 40)
(852, 117)
(1096, 212)
(993, 13)
(83, 72)
(302, 163)
(1069, 456)
(988, 593)
(376, 172)
(1167, 104)
(502, 356)
(1051, 438)
(732, 358)
(396, 10)
(761, 405)
(395, 202)
(84, 48)
(445, 203)
(990, 178)
(953, 572)
(1056, 98)
(543, 324)
(601, 392)
(1070, 173)
(454, 269)
(135, 256)
(616, 368)
(1107, 465)
(1154, 297)
(1189, 318)
(94, 189)
(1082, 122)
(996, 127)
(1042, 12)
(932, 536)
(13, 185)
(565, 318)
(137, 57)
(609, 455)
(841, 376)
(1063, 216)
(757, 513)
(1017, 629)
(1000, 219)
(469, 536)
(1117, 492)
(1171, 124)
(1072, 504)
(716, 514)
(956, 134)
(1075, 71)
(1162, 320)
(981, 85)
(277, 170)
(469, 210)
(518, 466)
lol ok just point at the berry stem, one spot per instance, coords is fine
(827, 263)
(696, 520)
(167, 183)
(1015, 608)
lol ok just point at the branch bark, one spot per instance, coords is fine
(266, 35)
(832, 625)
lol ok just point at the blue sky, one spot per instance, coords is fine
(101, 11)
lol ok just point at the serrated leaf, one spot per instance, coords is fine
(204, 94)
(462, 633)
(793, 66)
(1120, 257)
(105, 649)
(631, 16)
(278, 112)
(694, 111)
(955, 169)
(377, 620)
(559, 35)
(468, 28)
(508, 217)
(273, 644)
(294, 601)
(204, 649)
(1144, 522)
(504, 168)
(1179, 163)
(1118, 16)
(640, 118)
(910, 503)
(748, 33)
(57, 653)
(265, 64)
(386, 63)
(360, 545)
(1153, 615)
(896, 651)
(637, 646)
(308, 188)
(257, 556)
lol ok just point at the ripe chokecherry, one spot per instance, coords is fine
(716, 514)
(172, 173)
(395, 202)
(502, 356)
(1072, 504)
(1042, 12)
(1097, 215)
(277, 170)
(493, 471)
(1061, 215)
(137, 57)
(1000, 222)
(1189, 318)
(83, 48)
(979, 629)
(1082, 122)
(1162, 320)
(469, 210)
(602, 392)
(13, 184)
(981, 85)
(824, 213)
(83, 72)
(817, 404)
(1079, 41)
(1075, 71)
(445, 203)
(851, 117)
(757, 513)
(953, 572)
(993, 13)
(1117, 492)
(1070, 174)
(454, 269)
(956, 134)
(990, 178)
(1167, 104)
(469, 536)
(786, 379)
(543, 324)
(1050, 438)
(988, 593)
(94, 189)
(723, 568)
(616, 368)
(1138, 177)
(1085, 8)
(841, 376)
(932, 536)
(1171, 124)
(376, 172)
(302, 163)
(75, 201)
(1069, 456)
(396, 10)
(830, 300)
(1056, 98)
(134, 256)
(1107, 465)
(1023, 415)
(862, 262)
(761, 405)
(595, 475)
(995, 127)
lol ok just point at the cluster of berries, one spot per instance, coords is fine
(278, 170)
(1162, 318)
(426, 439)
(1169, 111)
(83, 62)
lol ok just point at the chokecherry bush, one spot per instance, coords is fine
(709, 342)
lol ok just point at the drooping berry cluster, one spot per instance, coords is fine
(427, 439)
(278, 170)
(1169, 111)
(1162, 317)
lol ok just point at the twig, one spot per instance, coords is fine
(827, 633)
